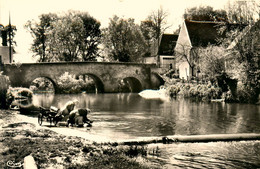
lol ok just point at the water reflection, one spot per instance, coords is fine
(132, 116)
(128, 116)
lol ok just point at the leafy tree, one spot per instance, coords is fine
(206, 13)
(148, 33)
(212, 61)
(66, 37)
(123, 40)
(243, 45)
(246, 51)
(243, 12)
(92, 37)
(71, 37)
(39, 32)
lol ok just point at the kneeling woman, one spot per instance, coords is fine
(79, 117)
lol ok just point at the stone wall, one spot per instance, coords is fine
(106, 74)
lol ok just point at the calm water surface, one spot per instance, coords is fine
(129, 116)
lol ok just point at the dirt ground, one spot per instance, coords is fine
(21, 136)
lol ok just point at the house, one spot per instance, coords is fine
(194, 34)
(165, 52)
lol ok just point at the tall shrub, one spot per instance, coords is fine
(4, 85)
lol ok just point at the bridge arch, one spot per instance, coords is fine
(99, 85)
(133, 83)
(105, 74)
(46, 80)
(156, 81)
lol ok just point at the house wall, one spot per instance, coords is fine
(166, 61)
(184, 70)
(183, 46)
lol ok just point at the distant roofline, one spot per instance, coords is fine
(203, 21)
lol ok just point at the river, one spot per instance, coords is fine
(129, 116)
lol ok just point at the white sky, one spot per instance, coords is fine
(23, 10)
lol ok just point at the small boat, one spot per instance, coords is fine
(154, 94)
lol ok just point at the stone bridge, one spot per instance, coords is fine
(106, 75)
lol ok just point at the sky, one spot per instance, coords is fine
(23, 10)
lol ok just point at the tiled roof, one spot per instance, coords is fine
(167, 45)
(203, 33)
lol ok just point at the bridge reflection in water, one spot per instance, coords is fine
(128, 116)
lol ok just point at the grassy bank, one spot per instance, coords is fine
(49, 149)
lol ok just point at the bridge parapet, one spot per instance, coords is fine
(107, 74)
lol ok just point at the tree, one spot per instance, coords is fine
(66, 37)
(123, 40)
(212, 61)
(73, 36)
(156, 24)
(185, 53)
(205, 13)
(92, 37)
(243, 44)
(38, 32)
(148, 33)
(246, 51)
(243, 12)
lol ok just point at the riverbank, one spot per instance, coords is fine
(22, 137)
(209, 91)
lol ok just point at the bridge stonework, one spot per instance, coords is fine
(106, 75)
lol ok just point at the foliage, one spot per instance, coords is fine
(92, 37)
(244, 51)
(69, 84)
(42, 85)
(39, 31)
(212, 61)
(123, 40)
(7, 34)
(148, 33)
(205, 13)
(199, 91)
(67, 35)
(243, 12)
(73, 36)
(4, 85)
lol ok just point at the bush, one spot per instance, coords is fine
(69, 84)
(173, 90)
(245, 94)
(199, 91)
(4, 85)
